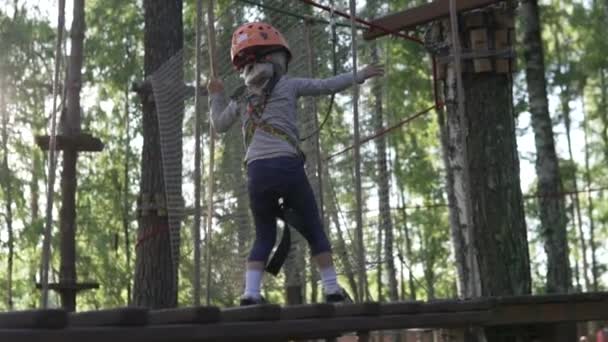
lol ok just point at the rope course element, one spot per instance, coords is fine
(196, 229)
(334, 61)
(211, 181)
(169, 94)
(383, 131)
(364, 22)
(48, 229)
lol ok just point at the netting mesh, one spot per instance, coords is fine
(330, 173)
(169, 94)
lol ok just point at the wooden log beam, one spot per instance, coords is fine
(120, 317)
(303, 311)
(82, 142)
(192, 315)
(410, 18)
(33, 319)
(264, 312)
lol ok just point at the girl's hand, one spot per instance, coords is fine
(215, 86)
(372, 70)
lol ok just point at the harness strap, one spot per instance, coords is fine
(255, 119)
(292, 220)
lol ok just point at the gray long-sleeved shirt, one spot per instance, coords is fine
(280, 111)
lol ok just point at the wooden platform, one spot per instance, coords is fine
(410, 18)
(275, 323)
(83, 142)
(77, 287)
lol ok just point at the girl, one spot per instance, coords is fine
(275, 163)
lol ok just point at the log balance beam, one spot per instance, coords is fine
(308, 321)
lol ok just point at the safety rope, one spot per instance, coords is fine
(48, 229)
(196, 230)
(211, 180)
(383, 131)
(334, 59)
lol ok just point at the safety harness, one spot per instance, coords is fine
(255, 122)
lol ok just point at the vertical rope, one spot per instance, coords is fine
(48, 229)
(196, 231)
(357, 157)
(214, 73)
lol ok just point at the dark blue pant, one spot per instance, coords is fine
(282, 177)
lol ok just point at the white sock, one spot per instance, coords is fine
(329, 278)
(253, 279)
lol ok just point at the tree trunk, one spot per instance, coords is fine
(155, 283)
(8, 193)
(486, 205)
(604, 111)
(126, 195)
(428, 264)
(467, 270)
(379, 263)
(498, 217)
(71, 126)
(386, 223)
(590, 205)
(406, 232)
(565, 97)
(295, 279)
(552, 209)
(408, 255)
(340, 248)
(496, 227)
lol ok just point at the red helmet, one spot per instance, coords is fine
(250, 39)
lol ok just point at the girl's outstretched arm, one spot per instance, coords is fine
(223, 113)
(332, 85)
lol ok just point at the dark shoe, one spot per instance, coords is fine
(245, 301)
(340, 297)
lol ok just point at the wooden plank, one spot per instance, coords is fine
(307, 311)
(83, 142)
(549, 312)
(479, 41)
(554, 298)
(501, 41)
(110, 317)
(245, 331)
(59, 287)
(34, 319)
(447, 305)
(410, 18)
(357, 309)
(191, 315)
(265, 312)
(399, 308)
